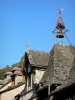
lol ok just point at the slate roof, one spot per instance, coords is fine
(38, 58)
(1, 82)
(11, 88)
(5, 83)
(61, 68)
(18, 73)
(16, 69)
(8, 73)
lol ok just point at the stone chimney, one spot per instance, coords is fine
(23, 75)
(12, 80)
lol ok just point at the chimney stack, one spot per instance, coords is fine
(23, 75)
(12, 80)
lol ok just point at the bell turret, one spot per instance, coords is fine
(60, 28)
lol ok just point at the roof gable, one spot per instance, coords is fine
(37, 58)
(61, 68)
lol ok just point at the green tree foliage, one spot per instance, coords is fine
(4, 70)
(7, 69)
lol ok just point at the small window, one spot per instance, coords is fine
(29, 68)
(69, 99)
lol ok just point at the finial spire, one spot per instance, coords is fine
(27, 48)
(60, 10)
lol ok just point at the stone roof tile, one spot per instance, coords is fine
(2, 82)
(61, 68)
(38, 58)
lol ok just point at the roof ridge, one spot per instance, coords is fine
(64, 45)
(39, 51)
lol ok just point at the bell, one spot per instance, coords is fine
(60, 26)
(60, 35)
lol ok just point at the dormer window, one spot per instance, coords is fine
(29, 68)
(29, 77)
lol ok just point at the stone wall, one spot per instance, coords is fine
(7, 78)
(18, 79)
(38, 75)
